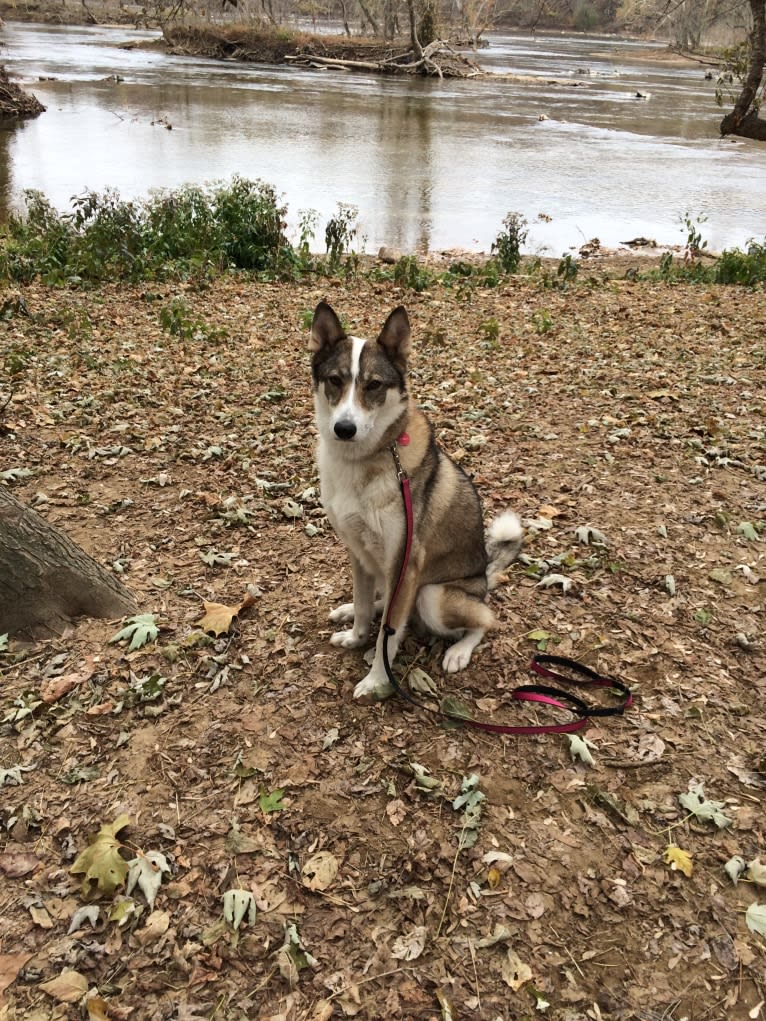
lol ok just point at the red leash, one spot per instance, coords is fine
(575, 673)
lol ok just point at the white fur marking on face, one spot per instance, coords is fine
(349, 410)
(356, 356)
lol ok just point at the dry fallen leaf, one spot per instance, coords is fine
(219, 617)
(16, 864)
(514, 971)
(679, 859)
(98, 1009)
(56, 687)
(493, 877)
(548, 511)
(396, 811)
(101, 861)
(320, 871)
(68, 987)
(10, 966)
(157, 925)
(409, 946)
(41, 917)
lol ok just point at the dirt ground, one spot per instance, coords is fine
(169, 431)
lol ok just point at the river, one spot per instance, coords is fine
(429, 164)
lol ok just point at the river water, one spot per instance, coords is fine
(429, 164)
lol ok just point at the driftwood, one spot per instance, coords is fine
(436, 59)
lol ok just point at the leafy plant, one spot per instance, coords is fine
(307, 224)
(140, 630)
(586, 17)
(509, 242)
(695, 244)
(489, 330)
(733, 266)
(470, 800)
(542, 321)
(15, 360)
(177, 320)
(250, 222)
(746, 268)
(568, 268)
(409, 273)
(732, 71)
(340, 233)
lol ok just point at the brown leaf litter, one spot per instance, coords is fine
(633, 408)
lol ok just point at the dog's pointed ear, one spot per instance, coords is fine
(395, 335)
(325, 328)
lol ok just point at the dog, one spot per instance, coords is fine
(364, 413)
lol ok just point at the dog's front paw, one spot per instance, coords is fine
(343, 614)
(372, 689)
(456, 658)
(348, 639)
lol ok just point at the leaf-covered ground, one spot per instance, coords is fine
(169, 431)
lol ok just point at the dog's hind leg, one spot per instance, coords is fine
(361, 610)
(451, 611)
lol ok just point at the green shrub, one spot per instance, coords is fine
(251, 224)
(509, 242)
(182, 229)
(234, 225)
(568, 269)
(733, 266)
(38, 243)
(109, 237)
(747, 268)
(409, 273)
(339, 233)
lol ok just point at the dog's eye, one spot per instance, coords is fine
(373, 384)
(335, 381)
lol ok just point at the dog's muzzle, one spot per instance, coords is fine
(345, 429)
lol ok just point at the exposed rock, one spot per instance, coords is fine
(389, 255)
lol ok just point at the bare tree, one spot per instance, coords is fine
(745, 119)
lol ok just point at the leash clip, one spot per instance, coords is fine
(401, 474)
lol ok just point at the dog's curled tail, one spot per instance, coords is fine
(504, 538)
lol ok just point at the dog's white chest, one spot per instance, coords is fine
(363, 508)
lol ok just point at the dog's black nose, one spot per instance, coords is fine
(345, 430)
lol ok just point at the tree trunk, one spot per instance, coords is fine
(743, 119)
(369, 18)
(414, 41)
(46, 579)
